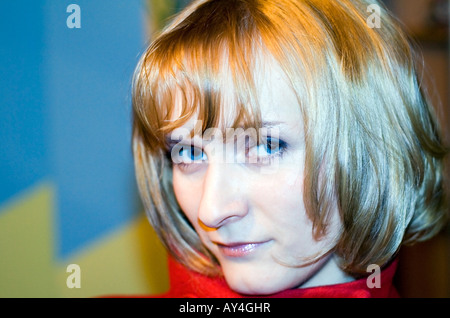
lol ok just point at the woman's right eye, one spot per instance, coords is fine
(187, 154)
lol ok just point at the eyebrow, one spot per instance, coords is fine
(265, 124)
(270, 124)
(171, 142)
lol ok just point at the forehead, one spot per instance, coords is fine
(277, 102)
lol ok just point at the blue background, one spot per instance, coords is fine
(65, 110)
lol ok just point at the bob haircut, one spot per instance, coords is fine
(373, 148)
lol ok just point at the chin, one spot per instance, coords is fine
(259, 285)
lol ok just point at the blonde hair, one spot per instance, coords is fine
(372, 142)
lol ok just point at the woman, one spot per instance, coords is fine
(284, 147)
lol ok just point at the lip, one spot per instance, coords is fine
(239, 249)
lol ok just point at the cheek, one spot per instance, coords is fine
(281, 202)
(281, 195)
(188, 195)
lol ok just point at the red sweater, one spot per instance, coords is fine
(187, 284)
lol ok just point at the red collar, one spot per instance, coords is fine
(188, 284)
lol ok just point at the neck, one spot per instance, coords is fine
(329, 274)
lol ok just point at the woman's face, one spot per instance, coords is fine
(250, 213)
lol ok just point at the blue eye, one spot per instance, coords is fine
(272, 146)
(188, 154)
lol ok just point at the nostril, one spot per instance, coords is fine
(208, 227)
(214, 214)
(214, 225)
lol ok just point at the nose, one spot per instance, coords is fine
(224, 196)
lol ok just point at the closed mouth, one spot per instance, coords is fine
(238, 249)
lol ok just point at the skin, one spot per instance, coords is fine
(259, 202)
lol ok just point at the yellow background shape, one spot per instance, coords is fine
(128, 261)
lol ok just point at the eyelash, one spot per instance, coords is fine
(262, 160)
(181, 164)
(282, 147)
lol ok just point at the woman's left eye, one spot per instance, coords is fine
(271, 147)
